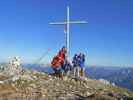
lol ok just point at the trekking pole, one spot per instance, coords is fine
(43, 55)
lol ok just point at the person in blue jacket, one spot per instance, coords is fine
(82, 64)
(76, 65)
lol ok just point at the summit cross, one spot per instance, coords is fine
(67, 30)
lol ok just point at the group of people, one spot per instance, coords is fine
(78, 65)
(62, 66)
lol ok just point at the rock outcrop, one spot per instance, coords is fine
(12, 68)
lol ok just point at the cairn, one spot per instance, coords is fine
(13, 67)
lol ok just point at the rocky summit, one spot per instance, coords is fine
(34, 85)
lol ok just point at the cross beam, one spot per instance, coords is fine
(67, 30)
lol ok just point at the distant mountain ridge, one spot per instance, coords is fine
(120, 76)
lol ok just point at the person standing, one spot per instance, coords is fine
(76, 67)
(82, 65)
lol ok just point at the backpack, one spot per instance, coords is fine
(56, 62)
(61, 55)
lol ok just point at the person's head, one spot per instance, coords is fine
(82, 57)
(81, 54)
(64, 49)
(76, 55)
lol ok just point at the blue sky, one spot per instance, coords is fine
(106, 39)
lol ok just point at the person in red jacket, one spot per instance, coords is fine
(58, 62)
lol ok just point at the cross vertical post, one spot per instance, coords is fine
(68, 34)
